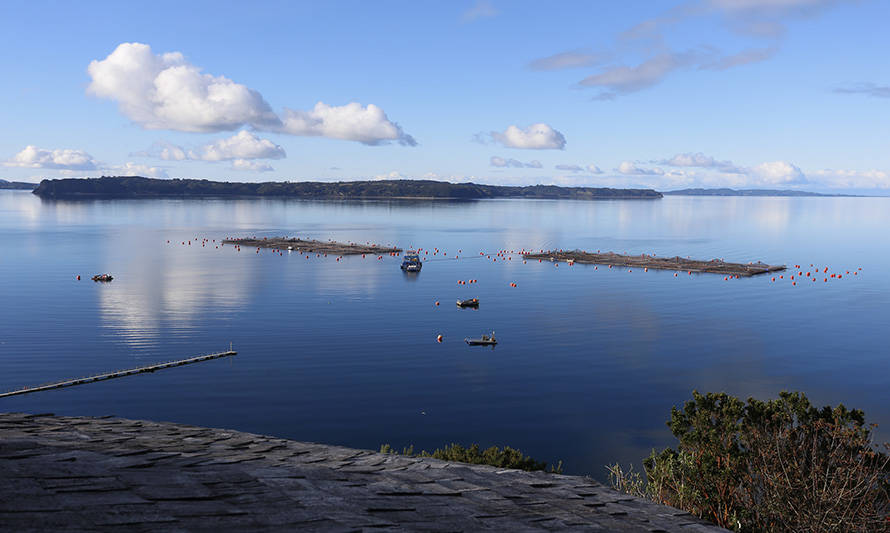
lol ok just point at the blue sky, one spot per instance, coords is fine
(739, 93)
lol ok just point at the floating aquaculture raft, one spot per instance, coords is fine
(716, 266)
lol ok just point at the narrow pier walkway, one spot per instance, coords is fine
(117, 374)
(108, 474)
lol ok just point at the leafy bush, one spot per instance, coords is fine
(505, 457)
(780, 465)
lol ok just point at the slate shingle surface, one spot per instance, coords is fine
(79, 473)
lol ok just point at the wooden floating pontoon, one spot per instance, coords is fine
(716, 266)
(117, 374)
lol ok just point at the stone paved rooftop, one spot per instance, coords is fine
(78, 473)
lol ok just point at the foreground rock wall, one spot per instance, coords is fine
(79, 473)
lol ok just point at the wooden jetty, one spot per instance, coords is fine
(315, 247)
(716, 266)
(118, 374)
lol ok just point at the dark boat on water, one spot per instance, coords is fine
(102, 277)
(411, 262)
(485, 340)
(472, 302)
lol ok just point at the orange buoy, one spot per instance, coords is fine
(78, 278)
(437, 302)
(439, 338)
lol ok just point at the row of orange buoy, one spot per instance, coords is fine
(504, 255)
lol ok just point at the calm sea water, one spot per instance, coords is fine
(589, 363)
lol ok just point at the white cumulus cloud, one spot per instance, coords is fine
(165, 91)
(535, 137)
(252, 166)
(852, 179)
(351, 122)
(62, 159)
(170, 152)
(243, 145)
(135, 169)
(777, 173)
(593, 169)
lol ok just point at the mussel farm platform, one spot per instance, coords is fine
(316, 247)
(715, 266)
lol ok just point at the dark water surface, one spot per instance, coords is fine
(589, 363)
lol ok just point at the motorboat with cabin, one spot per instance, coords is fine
(411, 262)
(471, 303)
(485, 340)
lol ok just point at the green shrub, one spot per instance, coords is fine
(505, 457)
(780, 465)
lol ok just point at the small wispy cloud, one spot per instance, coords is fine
(700, 160)
(640, 58)
(629, 168)
(481, 9)
(501, 162)
(868, 89)
(567, 60)
(745, 57)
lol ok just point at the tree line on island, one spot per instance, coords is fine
(20, 185)
(139, 187)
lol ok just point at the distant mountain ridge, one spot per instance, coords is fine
(21, 185)
(139, 187)
(746, 192)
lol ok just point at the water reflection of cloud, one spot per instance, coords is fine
(161, 285)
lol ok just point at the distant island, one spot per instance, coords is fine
(20, 185)
(746, 192)
(139, 187)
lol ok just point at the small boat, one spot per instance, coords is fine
(102, 277)
(485, 340)
(472, 302)
(411, 262)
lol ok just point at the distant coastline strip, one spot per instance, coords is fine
(139, 187)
